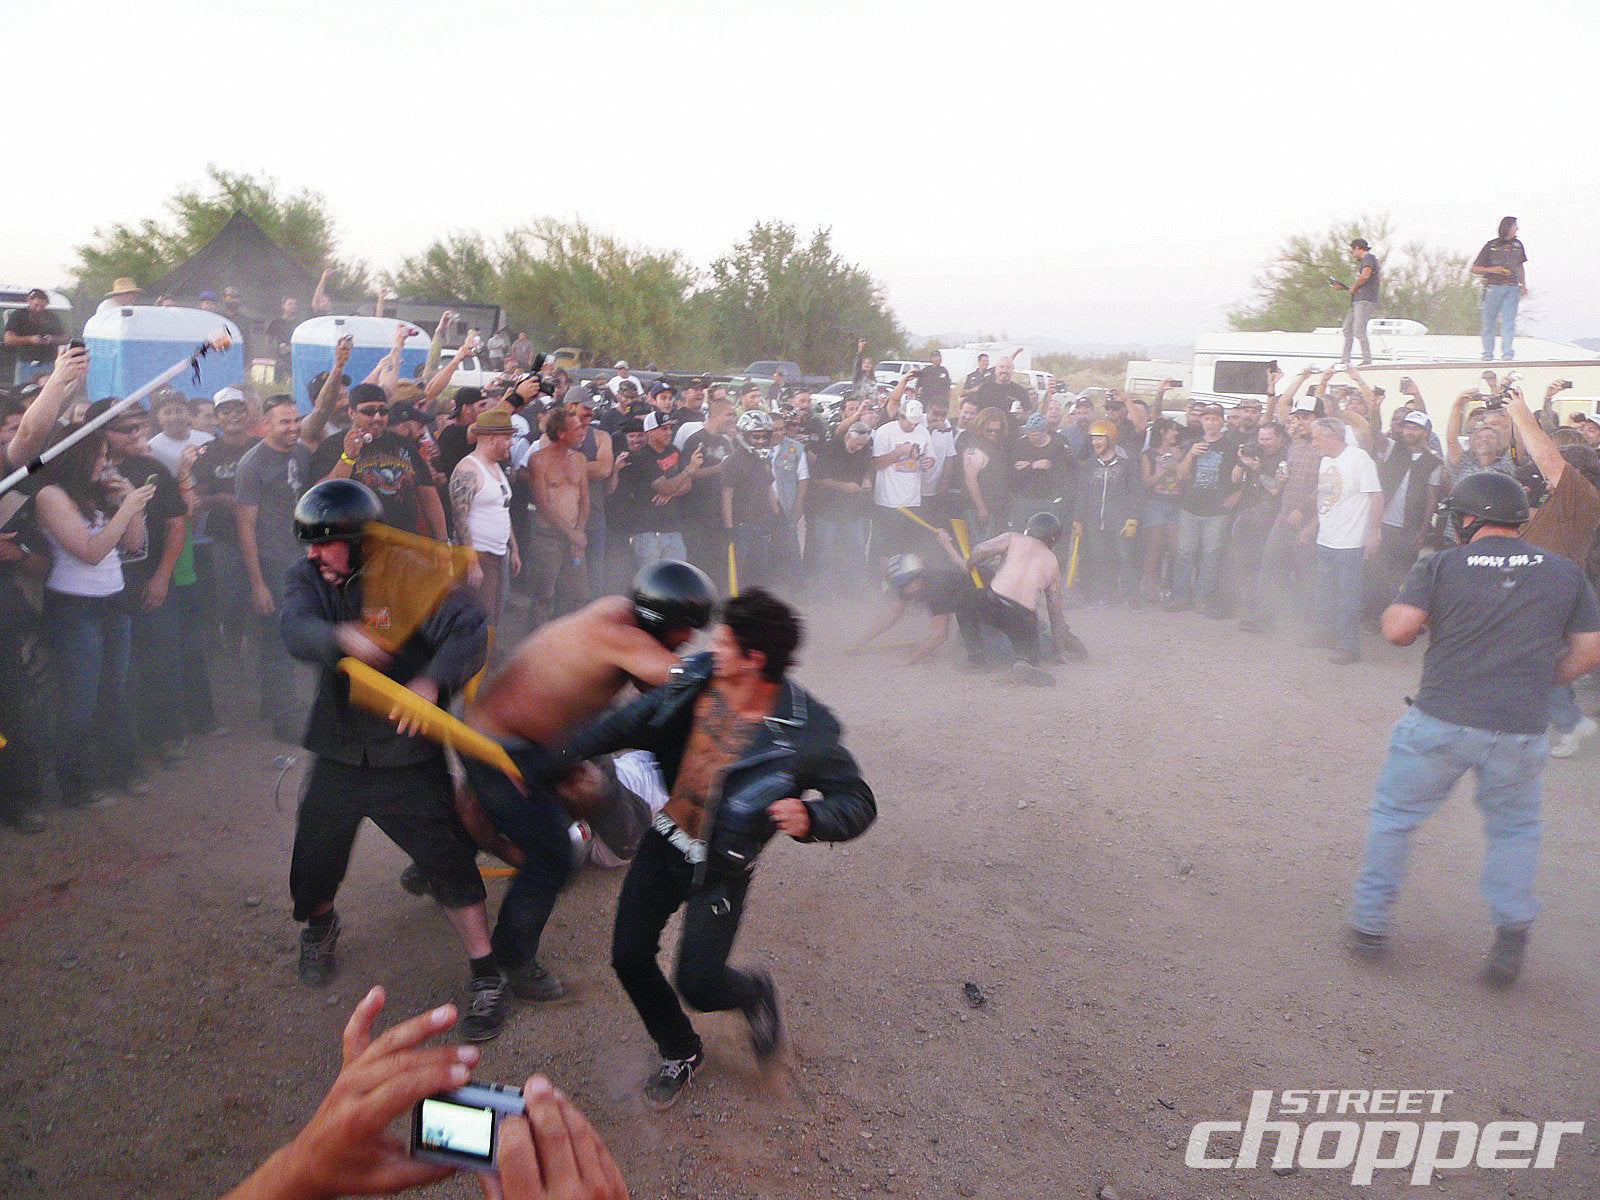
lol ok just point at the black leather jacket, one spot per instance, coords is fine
(800, 739)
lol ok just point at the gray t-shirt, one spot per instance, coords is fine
(273, 480)
(1499, 611)
(1369, 289)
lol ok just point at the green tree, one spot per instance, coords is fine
(462, 266)
(1421, 283)
(298, 221)
(773, 296)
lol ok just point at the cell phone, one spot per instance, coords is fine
(1332, 280)
(462, 1128)
(1406, 384)
(1563, 384)
(77, 344)
(151, 480)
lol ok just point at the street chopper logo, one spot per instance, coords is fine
(1397, 1130)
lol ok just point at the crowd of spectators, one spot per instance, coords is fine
(161, 542)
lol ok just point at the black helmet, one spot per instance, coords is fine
(1490, 496)
(336, 510)
(903, 568)
(672, 595)
(1044, 526)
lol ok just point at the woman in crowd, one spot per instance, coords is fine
(989, 469)
(1159, 465)
(88, 513)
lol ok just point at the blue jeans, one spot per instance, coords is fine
(1200, 545)
(650, 548)
(1500, 302)
(1339, 596)
(1426, 758)
(89, 639)
(1564, 711)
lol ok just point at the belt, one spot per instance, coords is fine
(693, 849)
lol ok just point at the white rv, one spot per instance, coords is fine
(1231, 366)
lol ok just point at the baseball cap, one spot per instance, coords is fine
(208, 295)
(621, 365)
(661, 386)
(404, 411)
(1035, 424)
(1418, 418)
(1248, 403)
(229, 293)
(912, 410)
(227, 395)
(632, 425)
(656, 420)
(628, 387)
(1305, 404)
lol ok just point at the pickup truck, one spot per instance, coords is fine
(763, 370)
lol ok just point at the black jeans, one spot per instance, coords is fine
(659, 881)
(537, 824)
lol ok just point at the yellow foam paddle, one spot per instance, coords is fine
(959, 528)
(1072, 562)
(404, 577)
(377, 693)
(733, 572)
(906, 512)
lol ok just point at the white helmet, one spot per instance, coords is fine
(755, 421)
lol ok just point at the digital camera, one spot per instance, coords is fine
(462, 1128)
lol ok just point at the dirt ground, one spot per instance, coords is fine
(1145, 871)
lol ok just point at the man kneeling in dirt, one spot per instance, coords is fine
(1010, 602)
(564, 673)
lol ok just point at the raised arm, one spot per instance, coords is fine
(316, 421)
(1452, 428)
(1541, 447)
(72, 364)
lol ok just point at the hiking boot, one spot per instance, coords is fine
(317, 964)
(1565, 745)
(1368, 945)
(1504, 963)
(532, 981)
(488, 1006)
(413, 880)
(671, 1077)
(1031, 675)
(766, 1027)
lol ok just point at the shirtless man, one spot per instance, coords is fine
(1010, 602)
(739, 745)
(558, 476)
(561, 675)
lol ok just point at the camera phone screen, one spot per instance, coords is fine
(458, 1129)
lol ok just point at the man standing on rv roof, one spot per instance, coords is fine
(1363, 298)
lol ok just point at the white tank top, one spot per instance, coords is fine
(72, 576)
(490, 515)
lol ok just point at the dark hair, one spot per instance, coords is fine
(1276, 427)
(1505, 227)
(1359, 244)
(11, 406)
(760, 621)
(277, 401)
(555, 421)
(1584, 461)
(1160, 429)
(73, 471)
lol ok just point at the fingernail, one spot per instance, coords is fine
(459, 1075)
(540, 1086)
(443, 1015)
(467, 1054)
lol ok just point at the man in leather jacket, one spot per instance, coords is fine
(739, 744)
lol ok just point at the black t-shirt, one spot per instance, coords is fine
(946, 590)
(1203, 493)
(453, 448)
(994, 394)
(1499, 611)
(24, 323)
(1497, 253)
(165, 505)
(1047, 484)
(279, 331)
(811, 433)
(1369, 289)
(626, 507)
(391, 466)
(933, 385)
(653, 517)
(977, 379)
(213, 473)
(836, 462)
(702, 506)
(749, 477)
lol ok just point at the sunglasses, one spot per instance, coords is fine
(373, 410)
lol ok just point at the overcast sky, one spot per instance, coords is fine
(1098, 173)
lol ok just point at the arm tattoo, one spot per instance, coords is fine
(464, 487)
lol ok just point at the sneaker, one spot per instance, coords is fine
(1031, 675)
(1504, 963)
(1565, 745)
(671, 1077)
(1368, 945)
(413, 880)
(1343, 658)
(766, 1027)
(90, 801)
(27, 820)
(487, 1008)
(317, 964)
(533, 981)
